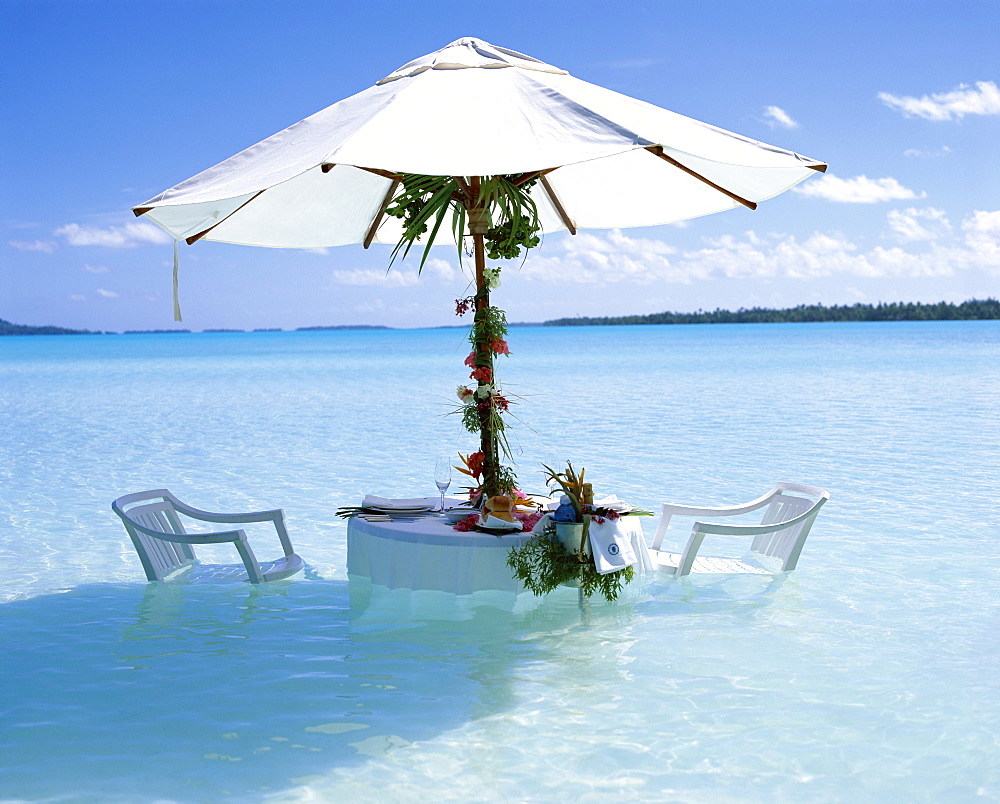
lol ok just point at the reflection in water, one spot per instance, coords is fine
(240, 689)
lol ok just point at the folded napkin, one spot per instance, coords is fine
(612, 550)
(373, 501)
(496, 522)
(612, 503)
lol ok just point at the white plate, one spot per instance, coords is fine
(455, 515)
(401, 510)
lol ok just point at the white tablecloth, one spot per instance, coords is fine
(428, 553)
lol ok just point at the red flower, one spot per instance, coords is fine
(476, 460)
(499, 346)
(500, 401)
(482, 373)
(462, 306)
(470, 361)
(468, 523)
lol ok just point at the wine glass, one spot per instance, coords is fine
(442, 476)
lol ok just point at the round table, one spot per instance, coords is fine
(428, 553)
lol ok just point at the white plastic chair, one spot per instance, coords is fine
(789, 512)
(153, 521)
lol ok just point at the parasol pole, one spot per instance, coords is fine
(479, 222)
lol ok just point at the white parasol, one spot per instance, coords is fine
(473, 109)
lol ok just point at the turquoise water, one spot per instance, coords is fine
(870, 673)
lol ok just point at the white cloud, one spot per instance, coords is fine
(369, 277)
(130, 235)
(45, 246)
(859, 190)
(982, 235)
(96, 269)
(107, 294)
(917, 153)
(440, 269)
(919, 224)
(617, 258)
(78, 297)
(983, 99)
(776, 117)
(435, 269)
(613, 257)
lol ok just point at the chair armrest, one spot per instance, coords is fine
(722, 510)
(747, 530)
(671, 509)
(275, 517)
(210, 516)
(191, 538)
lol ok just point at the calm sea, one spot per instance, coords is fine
(871, 673)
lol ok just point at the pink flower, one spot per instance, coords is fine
(499, 346)
(528, 521)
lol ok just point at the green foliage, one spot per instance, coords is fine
(489, 325)
(423, 202)
(571, 484)
(513, 217)
(472, 421)
(542, 565)
(506, 480)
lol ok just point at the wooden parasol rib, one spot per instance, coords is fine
(201, 234)
(657, 150)
(381, 213)
(558, 205)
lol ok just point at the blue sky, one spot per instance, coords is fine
(105, 104)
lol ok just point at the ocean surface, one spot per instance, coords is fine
(871, 673)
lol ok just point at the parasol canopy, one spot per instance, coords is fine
(474, 109)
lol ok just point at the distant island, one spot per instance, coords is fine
(6, 328)
(974, 309)
(156, 331)
(341, 326)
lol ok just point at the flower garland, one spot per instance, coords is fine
(486, 404)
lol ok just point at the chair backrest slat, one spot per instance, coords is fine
(162, 556)
(784, 543)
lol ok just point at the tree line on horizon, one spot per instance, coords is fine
(974, 309)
